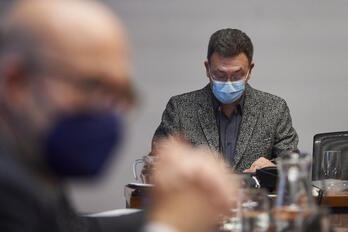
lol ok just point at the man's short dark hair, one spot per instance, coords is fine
(229, 43)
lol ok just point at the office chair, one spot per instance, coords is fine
(329, 141)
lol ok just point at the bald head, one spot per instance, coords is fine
(81, 37)
(59, 58)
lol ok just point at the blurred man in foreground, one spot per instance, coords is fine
(65, 86)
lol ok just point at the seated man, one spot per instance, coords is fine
(249, 127)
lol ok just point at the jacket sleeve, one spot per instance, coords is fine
(285, 136)
(170, 123)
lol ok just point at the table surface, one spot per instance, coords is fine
(333, 199)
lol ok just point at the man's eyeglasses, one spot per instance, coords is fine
(223, 77)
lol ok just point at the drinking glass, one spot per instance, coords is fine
(331, 165)
(254, 209)
(232, 221)
(148, 162)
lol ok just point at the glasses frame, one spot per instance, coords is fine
(227, 79)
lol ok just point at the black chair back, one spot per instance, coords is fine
(337, 141)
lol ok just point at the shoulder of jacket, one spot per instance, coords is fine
(189, 96)
(268, 98)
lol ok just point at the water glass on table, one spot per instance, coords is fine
(331, 165)
(254, 207)
(331, 169)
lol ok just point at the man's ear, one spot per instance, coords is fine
(206, 64)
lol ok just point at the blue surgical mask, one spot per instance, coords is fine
(228, 92)
(80, 145)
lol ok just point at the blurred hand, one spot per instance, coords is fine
(260, 163)
(193, 187)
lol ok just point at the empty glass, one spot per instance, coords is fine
(331, 165)
(254, 209)
(146, 173)
(233, 221)
(295, 203)
(331, 171)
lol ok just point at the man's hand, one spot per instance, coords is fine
(193, 187)
(260, 163)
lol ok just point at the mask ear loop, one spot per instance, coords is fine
(246, 76)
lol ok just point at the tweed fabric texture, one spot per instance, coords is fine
(265, 131)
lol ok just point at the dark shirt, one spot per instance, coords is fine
(228, 128)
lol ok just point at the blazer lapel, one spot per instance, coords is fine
(207, 119)
(250, 115)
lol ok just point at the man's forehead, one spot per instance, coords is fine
(229, 64)
(238, 60)
(229, 68)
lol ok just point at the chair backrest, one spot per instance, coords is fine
(330, 141)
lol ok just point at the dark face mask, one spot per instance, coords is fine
(80, 145)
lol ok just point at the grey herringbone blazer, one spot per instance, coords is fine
(265, 131)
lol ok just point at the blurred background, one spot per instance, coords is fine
(300, 54)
